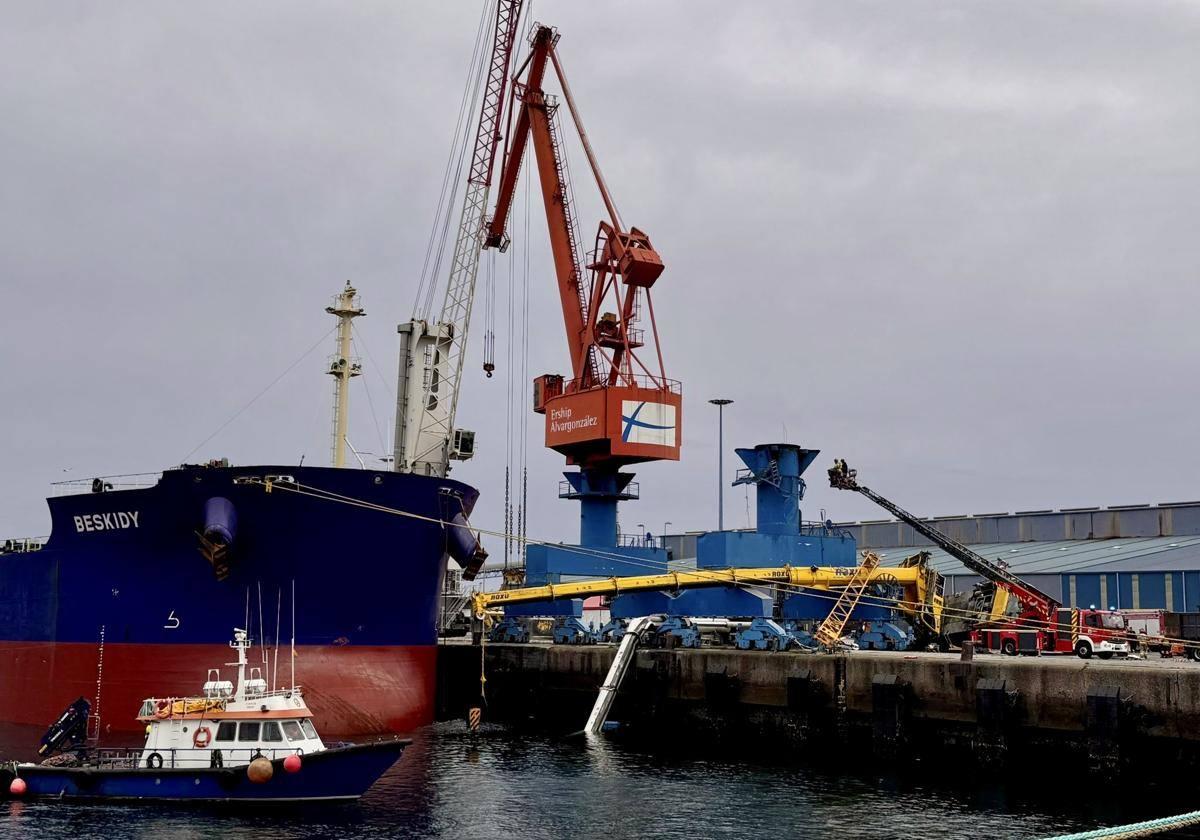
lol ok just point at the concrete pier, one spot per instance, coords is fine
(1107, 714)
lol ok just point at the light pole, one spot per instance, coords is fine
(720, 404)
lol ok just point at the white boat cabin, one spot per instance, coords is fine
(230, 725)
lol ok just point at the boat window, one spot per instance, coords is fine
(226, 730)
(308, 728)
(271, 731)
(248, 731)
(292, 730)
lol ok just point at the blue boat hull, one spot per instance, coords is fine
(340, 773)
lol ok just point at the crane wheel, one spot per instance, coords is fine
(1009, 648)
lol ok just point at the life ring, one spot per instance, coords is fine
(202, 737)
(162, 709)
(154, 761)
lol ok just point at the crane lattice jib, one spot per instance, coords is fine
(843, 478)
(464, 265)
(834, 625)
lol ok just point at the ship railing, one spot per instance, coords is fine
(105, 483)
(22, 545)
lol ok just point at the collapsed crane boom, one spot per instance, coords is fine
(921, 596)
(1035, 603)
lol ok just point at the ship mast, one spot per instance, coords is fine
(343, 367)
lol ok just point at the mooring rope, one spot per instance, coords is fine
(1138, 829)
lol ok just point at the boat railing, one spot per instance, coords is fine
(119, 758)
(105, 483)
(285, 693)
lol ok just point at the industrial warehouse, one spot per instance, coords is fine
(1125, 557)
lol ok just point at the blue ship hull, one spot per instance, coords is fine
(132, 564)
(340, 773)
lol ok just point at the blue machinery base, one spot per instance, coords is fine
(780, 539)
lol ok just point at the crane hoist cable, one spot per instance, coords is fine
(430, 271)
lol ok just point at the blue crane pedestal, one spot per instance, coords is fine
(598, 553)
(781, 538)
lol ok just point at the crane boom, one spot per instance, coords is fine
(1036, 603)
(426, 439)
(615, 409)
(921, 598)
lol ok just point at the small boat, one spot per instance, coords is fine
(236, 742)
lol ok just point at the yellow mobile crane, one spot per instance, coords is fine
(921, 600)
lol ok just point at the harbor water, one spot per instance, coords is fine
(505, 783)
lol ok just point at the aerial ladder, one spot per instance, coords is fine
(834, 625)
(1042, 624)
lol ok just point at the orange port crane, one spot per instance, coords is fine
(615, 409)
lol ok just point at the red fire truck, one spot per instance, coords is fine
(1042, 625)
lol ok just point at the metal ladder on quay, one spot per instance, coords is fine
(834, 625)
(616, 673)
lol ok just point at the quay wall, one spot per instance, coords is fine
(1107, 711)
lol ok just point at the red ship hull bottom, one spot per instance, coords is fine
(351, 690)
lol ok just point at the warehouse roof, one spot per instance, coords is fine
(1137, 554)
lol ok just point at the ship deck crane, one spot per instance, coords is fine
(432, 355)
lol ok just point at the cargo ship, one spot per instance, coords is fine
(158, 568)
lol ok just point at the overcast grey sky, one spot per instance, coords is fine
(954, 243)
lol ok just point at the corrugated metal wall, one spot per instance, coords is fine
(1178, 591)
(1167, 520)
